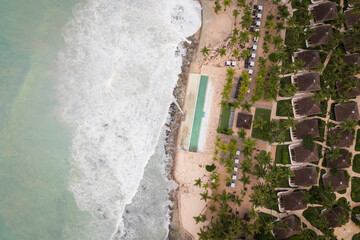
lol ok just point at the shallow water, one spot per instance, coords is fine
(84, 93)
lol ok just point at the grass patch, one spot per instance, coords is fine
(287, 132)
(356, 163)
(285, 81)
(225, 117)
(284, 108)
(273, 57)
(282, 155)
(355, 189)
(357, 143)
(260, 113)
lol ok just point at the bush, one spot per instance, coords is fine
(273, 57)
(308, 142)
(225, 131)
(210, 168)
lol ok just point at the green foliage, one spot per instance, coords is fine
(217, 8)
(205, 51)
(210, 168)
(289, 90)
(284, 108)
(282, 154)
(262, 116)
(355, 215)
(225, 131)
(245, 84)
(273, 57)
(308, 142)
(263, 196)
(355, 189)
(222, 52)
(356, 163)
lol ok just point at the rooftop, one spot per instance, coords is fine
(311, 58)
(305, 177)
(307, 107)
(244, 120)
(307, 127)
(325, 12)
(351, 18)
(308, 82)
(334, 215)
(322, 35)
(353, 92)
(341, 162)
(303, 155)
(346, 137)
(294, 201)
(287, 228)
(337, 182)
(346, 111)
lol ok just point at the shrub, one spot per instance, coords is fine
(210, 168)
(273, 57)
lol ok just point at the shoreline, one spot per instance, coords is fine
(175, 229)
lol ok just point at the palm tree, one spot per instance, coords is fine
(333, 155)
(241, 3)
(245, 53)
(226, 3)
(236, 53)
(245, 179)
(259, 123)
(236, 14)
(270, 24)
(283, 12)
(246, 106)
(205, 195)
(348, 125)
(334, 138)
(236, 31)
(256, 34)
(212, 208)
(248, 145)
(200, 218)
(244, 36)
(267, 37)
(242, 134)
(205, 51)
(222, 52)
(289, 123)
(230, 72)
(198, 182)
(217, 7)
(289, 90)
(277, 41)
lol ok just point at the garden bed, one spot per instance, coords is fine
(282, 155)
(355, 189)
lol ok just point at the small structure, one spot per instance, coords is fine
(306, 107)
(346, 111)
(251, 71)
(233, 63)
(351, 18)
(346, 137)
(351, 43)
(307, 82)
(337, 182)
(304, 177)
(352, 59)
(287, 228)
(292, 201)
(321, 36)
(253, 55)
(353, 92)
(307, 127)
(300, 154)
(334, 216)
(343, 161)
(311, 58)
(244, 120)
(254, 47)
(325, 12)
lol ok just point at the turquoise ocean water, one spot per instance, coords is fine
(34, 145)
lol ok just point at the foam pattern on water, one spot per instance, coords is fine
(117, 72)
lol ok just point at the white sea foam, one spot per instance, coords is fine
(117, 72)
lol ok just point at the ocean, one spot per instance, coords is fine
(85, 89)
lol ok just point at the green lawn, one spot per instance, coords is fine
(282, 154)
(260, 113)
(224, 117)
(287, 132)
(356, 163)
(284, 108)
(355, 189)
(357, 143)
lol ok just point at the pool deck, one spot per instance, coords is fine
(189, 111)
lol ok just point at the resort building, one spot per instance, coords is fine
(324, 12)
(311, 58)
(343, 161)
(321, 36)
(353, 92)
(351, 19)
(292, 201)
(350, 43)
(287, 228)
(336, 182)
(307, 82)
(299, 154)
(346, 111)
(352, 59)
(304, 177)
(304, 128)
(334, 216)
(305, 107)
(244, 120)
(345, 137)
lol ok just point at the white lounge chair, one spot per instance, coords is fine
(252, 64)
(258, 16)
(253, 55)
(227, 63)
(236, 161)
(260, 8)
(251, 71)
(233, 177)
(254, 47)
(236, 169)
(233, 63)
(237, 152)
(232, 185)
(258, 23)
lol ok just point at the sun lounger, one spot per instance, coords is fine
(233, 63)
(227, 63)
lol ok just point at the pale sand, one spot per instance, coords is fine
(190, 166)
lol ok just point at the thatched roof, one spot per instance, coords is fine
(325, 12)
(352, 59)
(307, 127)
(311, 58)
(351, 18)
(287, 228)
(337, 182)
(305, 177)
(322, 35)
(346, 137)
(353, 92)
(350, 43)
(303, 155)
(308, 82)
(244, 120)
(341, 162)
(334, 216)
(294, 201)
(346, 111)
(307, 107)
